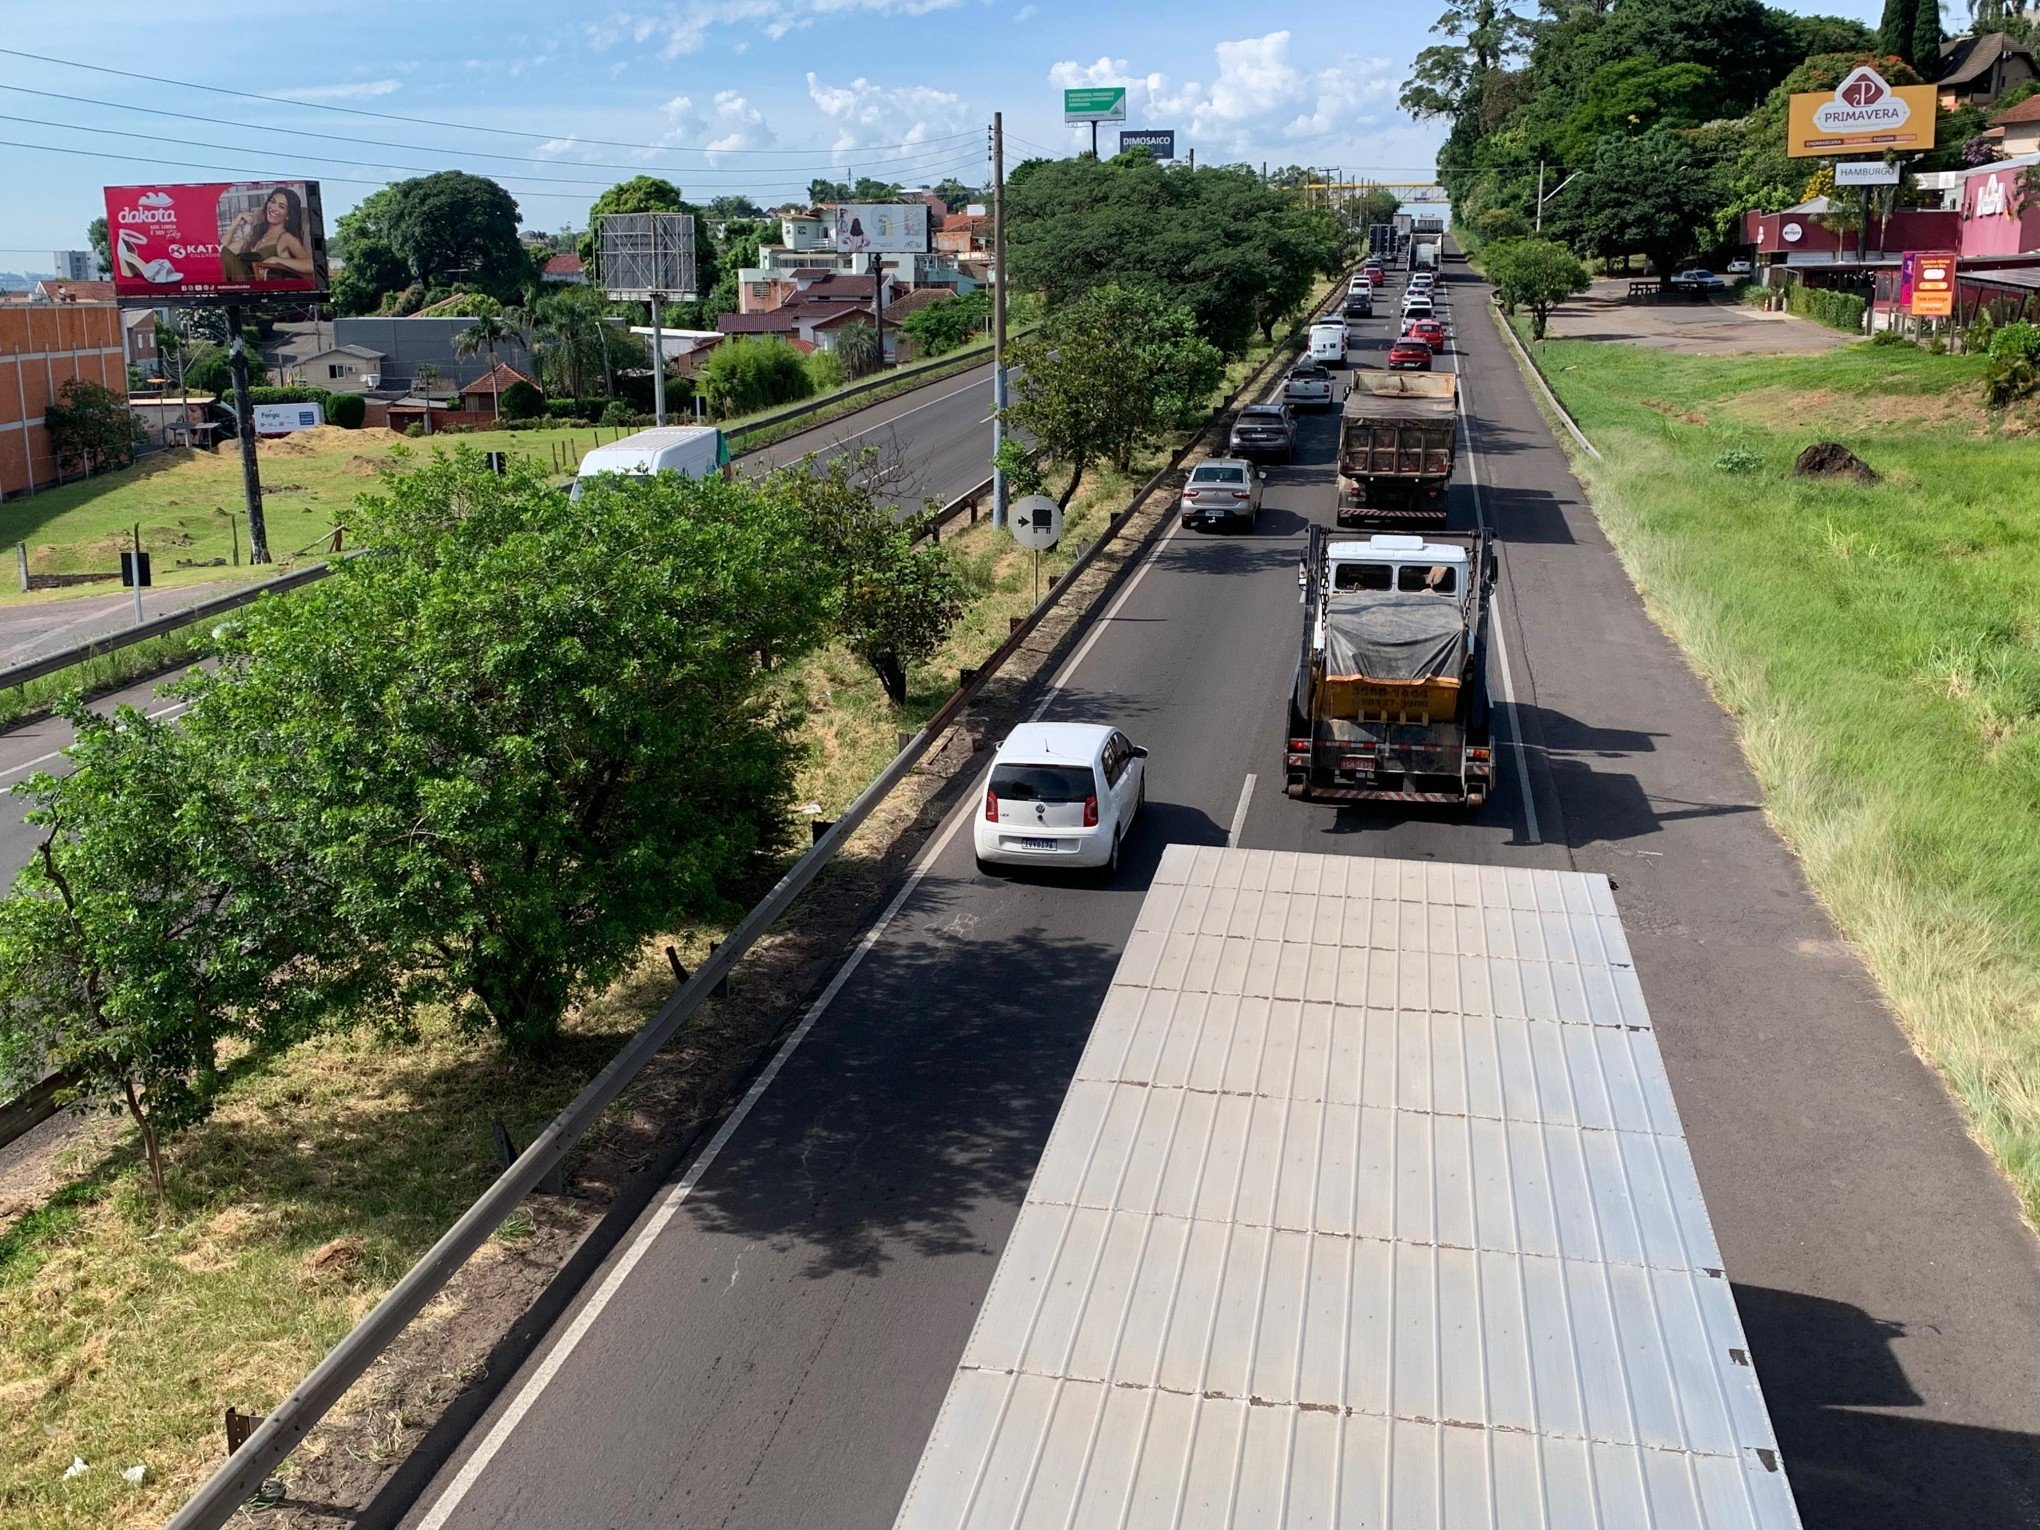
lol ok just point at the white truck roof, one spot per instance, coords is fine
(672, 448)
(1398, 547)
(1369, 1205)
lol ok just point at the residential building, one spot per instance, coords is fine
(565, 270)
(42, 347)
(482, 393)
(684, 348)
(57, 289)
(807, 230)
(338, 369)
(2018, 128)
(963, 233)
(406, 343)
(1975, 71)
(75, 265)
(138, 340)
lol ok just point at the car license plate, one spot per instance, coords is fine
(1037, 844)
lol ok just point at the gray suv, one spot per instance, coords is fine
(1264, 433)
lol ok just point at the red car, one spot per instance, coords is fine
(1409, 355)
(1376, 275)
(1430, 331)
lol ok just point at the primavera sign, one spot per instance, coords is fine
(1865, 112)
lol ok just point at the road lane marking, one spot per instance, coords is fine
(1516, 747)
(56, 754)
(982, 382)
(1239, 814)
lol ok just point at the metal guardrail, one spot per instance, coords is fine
(1537, 375)
(952, 364)
(222, 1495)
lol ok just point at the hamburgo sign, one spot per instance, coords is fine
(1864, 112)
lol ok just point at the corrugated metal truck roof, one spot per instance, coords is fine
(1369, 1206)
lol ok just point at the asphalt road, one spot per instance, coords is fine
(770, 1345)
(30, 631)
(940, 436)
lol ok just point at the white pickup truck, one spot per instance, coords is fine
(1368, 1206)
(1309, 385)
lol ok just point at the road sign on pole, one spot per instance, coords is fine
(1037, 525)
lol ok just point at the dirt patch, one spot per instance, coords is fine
(1825, 409)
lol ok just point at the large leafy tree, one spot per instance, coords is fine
(522, 735)
(92, 426)
(370, 268)
(1448, 77)
(652, 193)
(1647, 194)
(95, 236)
(1107, 373)
(452, 227)
(1537, 274)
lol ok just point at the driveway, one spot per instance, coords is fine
(1719, 326)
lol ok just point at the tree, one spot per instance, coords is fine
(424, 378)
(525, 734)
(1895, 28)
(946, 323)
(494, 327)
(1925, 52)
(1108, 373)
(728, 207)
(1537, 274)
(91, 426)
(1647, 194)
(859, 349)
(1447, 78)
(571, 341)
(521, 401)
(102, 251)
(370, 269)
(741, 375)
(452, 226)
(955, 195)
(144, 933)
(821, 189)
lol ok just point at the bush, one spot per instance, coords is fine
(825, 371)
(1893, 337)
(294, 394)
(521, 401)
(742, 375)
(347, 410)
(1837, 310)
(2013, 368)
(1739, 460)
(415, 428)
(617, 412)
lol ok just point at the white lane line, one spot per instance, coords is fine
(669, 1206)
(1239, 814)
(54, 754)
(982, 382)
(1530, 831)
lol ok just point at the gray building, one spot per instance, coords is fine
(403, 343)
(76, 265)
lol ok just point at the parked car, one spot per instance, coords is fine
(1223, 491)
(1409, 355)
(1308, 385)
(1264, 433)
(1430, 331)
(1061, 794)
(1741, 267)
(1697, 279)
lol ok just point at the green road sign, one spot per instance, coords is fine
(1095, 103)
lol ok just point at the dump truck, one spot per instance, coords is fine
(1390, 701)
(1368, 1205)
(1396, 436)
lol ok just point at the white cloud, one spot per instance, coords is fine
(685, 27)
(738, 125)
(863, 114)
(1260, 99)
(364, 90)
(1025, 13)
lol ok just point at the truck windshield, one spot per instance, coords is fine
(1042, 783)
(1361, 576)
(1417, 579)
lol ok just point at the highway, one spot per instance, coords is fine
(770, 1344)
(941, 435)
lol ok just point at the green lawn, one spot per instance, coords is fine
(1879, 648)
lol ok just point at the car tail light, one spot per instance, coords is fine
(1239, 493)
(991, 807)
(1090, 812)
(1190, 493)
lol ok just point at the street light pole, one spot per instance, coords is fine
(251, 473)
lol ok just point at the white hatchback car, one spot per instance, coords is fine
(1061, 794)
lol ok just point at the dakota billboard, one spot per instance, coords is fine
(219, 239)
(1863, 113)
(886, 228)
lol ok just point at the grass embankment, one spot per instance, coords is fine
(1879, 648)
(328, 1172)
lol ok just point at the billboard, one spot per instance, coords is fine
(1866, 172)
(1933, 285)
(647, 255)
(1160, 142)
(1095, 103)
(1862, 114)
(219, 239)
(885, 228)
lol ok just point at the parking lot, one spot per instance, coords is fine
(1718, 326)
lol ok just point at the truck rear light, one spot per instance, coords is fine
(991, 807)
(1299, 744)
(1480, 754)
(1090, 812)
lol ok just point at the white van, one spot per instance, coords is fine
(692, 451)
(1328, 342)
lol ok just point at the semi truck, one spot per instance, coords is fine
(1368, 1205)
(1426, 251)
(1396, 438)
(1390, 700)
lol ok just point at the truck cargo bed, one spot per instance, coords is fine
(1369, 1205)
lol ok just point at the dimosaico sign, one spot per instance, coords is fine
(1864, 112)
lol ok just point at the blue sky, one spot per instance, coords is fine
(717, 95)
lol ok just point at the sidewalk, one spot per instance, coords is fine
(1720, 326)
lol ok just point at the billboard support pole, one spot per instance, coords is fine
(1094, 138)
(658, 364)
(251, 474)
(1863, 227)
(1000, 490)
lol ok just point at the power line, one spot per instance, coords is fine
(458, 127)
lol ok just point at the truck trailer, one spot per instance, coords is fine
(1390, 701)
(1396, 438)
(1368, 1206)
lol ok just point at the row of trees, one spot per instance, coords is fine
(445, 775)
(1667, 115)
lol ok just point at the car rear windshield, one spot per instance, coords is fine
(1260, 414)
(1043, 783)
(1219, 475)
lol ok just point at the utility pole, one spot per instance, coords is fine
(999, 486)
(1540, 196)
(658, 362)
(251, 473)
(878, 306)
(1094, 138)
